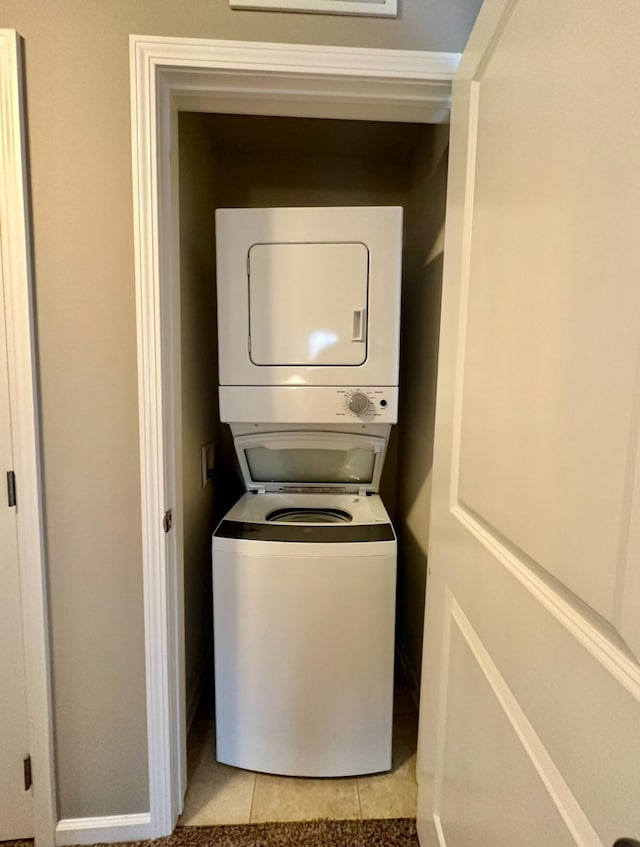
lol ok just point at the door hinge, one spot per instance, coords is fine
(28, 779)
(11, 488)
(167, 520)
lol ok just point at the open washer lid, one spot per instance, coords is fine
(311, 462)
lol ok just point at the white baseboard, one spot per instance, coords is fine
(104, 829)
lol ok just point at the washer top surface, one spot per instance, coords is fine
(341, 509)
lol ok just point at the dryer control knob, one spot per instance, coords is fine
(358, 403)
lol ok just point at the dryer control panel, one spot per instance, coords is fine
(368, 404)
(309, 404)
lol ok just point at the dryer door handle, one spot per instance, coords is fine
(359, 325)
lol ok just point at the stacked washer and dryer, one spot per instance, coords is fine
(304, 565)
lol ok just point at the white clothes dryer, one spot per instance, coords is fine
(308, 296)
(304, 575)
(309, 314)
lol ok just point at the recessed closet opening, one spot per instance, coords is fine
(261, 161)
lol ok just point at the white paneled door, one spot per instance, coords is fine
(15, 801)
(530, 714)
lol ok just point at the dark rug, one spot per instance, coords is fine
(370, 833)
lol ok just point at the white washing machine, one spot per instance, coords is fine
(304, 574)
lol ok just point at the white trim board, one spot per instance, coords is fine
(169, 75)
(23, 388)
(101, 829)
(370, 8)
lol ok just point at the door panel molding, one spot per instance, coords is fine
(601, 640)
(23, 388)
(590, 556)
(626, 610)
(569, 810)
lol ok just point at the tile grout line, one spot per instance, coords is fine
(358, 796)
(253, 797)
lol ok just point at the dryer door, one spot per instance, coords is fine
(311, 461)
(308, 296)
(308, 304)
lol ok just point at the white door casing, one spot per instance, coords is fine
(530, 712)
(25, 699)
(16, 818)
(169, 75)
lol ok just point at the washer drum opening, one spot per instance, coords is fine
(309, 515)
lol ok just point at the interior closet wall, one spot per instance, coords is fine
(421, 291)
(239, 160)
(199, 373)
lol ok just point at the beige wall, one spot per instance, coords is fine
(422, 287)
(77, 76)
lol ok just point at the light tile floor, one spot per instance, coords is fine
(219, 794)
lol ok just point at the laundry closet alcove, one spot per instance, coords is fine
(313, 126)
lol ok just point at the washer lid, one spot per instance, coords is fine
(311, 461)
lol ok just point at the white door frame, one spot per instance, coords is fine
(167, 76)
(23, 388)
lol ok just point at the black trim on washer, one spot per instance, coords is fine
(331, 534)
